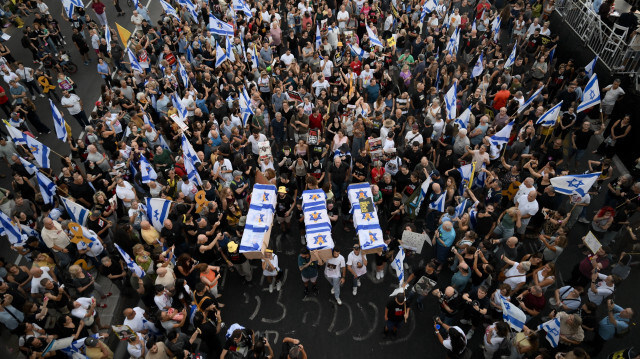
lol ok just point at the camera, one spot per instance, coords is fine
(475, 303)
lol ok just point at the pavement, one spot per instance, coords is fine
(353, 330)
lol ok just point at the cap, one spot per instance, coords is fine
(435, 173)
(237, 173)
(415, 126)
(269, 250)
(91, 342)
(282, 189)
(526, 265)
(232, 246)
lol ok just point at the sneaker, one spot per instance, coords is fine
(355, 291)
(470, 334)
(33, 97)
(333, 291)
(464, 321)
(359, 283)
(583, 220)
(381, 274)
(271, 288)
(338, 301)
(41, 95)
(278, 286)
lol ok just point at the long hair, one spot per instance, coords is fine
(458, 341)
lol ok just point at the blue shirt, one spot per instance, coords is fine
(372, 93)
(103, 68)
(447, 237)
(607, 330)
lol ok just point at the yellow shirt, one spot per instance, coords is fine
(150, 236)
(96, 352)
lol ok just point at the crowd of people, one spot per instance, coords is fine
(342, 92)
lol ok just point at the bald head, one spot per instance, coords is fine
(145, 225)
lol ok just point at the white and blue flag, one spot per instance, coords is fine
(157, 211)
(182, 112)
(131, 265)
(591, 67)
(58, 121)
(551, 54)
(398, 265)
(188, 151)
(466, 174)
(10, 230)
(450, 101)
(76, 211)
(460, 208)
(219, 27)
(439, 204)
(356, 50)
(221, 56)
(496, 28)
(478, 68)
(191, 8)
(530, 100)
(47, 188)
(229, 45)
(30, 167)
(183, 75)
(590, 95)
(107, 37)
(241, 5)
(428, 7)
(373, 37)
(169, 10)
(189, 54)
(550, 117)
(146, 170)
(39, 151)
(255, 62)
(552, 328)
(245, 106)
(18, 137)
(513, 315)
(133, 62)
(512, 58)
(479, 179)
(192, 172)
(463, 119)
(318, 38)
(502, 136)
(574, 184)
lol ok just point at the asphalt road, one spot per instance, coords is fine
(353, 330)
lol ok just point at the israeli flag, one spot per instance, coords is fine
(373, 37)
(229, 46)
(572, 184)
(131, 265)
(169, 10)
(551, 54)
(590, 95)
(463, 119)
(478, 181)
(245, 106)
(244, 51)
(439, 204)
(552, 328)
(146, 120)
(241, 5)
(189, 54)
(591, 67)
(183, 74)
(76, 211)
(47, 188)
(428, 7)
(414, 202)
(221, 56)
(163, 143)
(107, 36)
(219, 28)
(530, 100)
(356, 50)
(30, 167)
(473, 26)
(188, 151)
(191, 8)
(398, 265)
(135, 4)
(157, 211)
(146, 170)
(452, 45)
(133, 62)
(192, 172)
(496, 28)
(318, 38)
(68, 7)
(18, 137)
(503, 135)
(39, 151)
(254, 58)
(478, 68)
(182, 112)
(466, 173)
(550, 117)
(461, 207)
(512, 58)
(10, 230)
(450, 100)
(513, 315)
(58, 121)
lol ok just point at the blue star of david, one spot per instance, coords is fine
(313, 197)
(592, 94)
(265, 196)
(398, 265)
(361, 194)
(553, 331)
(320, 239)
(261, 218)
(575, 183)
(507, 306)
(34, 149)
(367, 216)
(372, 237)
(315, 216)
(156, 215)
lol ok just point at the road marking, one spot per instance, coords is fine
(246, 297)
(17, 262)
(335, 316)
(279, 303)
(255, 311)
(304, 317)
(341, 332)
(373, 324)
(276, 335)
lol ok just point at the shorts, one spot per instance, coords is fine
(306, 280)
(607, 109)
(283, 219)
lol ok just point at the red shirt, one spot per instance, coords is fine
(500, 99)
(315, 120)
(98, 7)
(356, 66)
(3, 96)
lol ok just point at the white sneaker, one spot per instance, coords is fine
(41, 95)
(278, 286)
(333, 291)
(381, 274)
(271, 288)
(33, 97)
(355, 290)
(470, 334)
(359, 283)
(338, 301)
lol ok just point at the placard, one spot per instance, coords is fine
(366, 205)
(592, 242)
(414, 241)
(183, 126)
(264, 149)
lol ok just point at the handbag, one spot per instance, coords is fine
(610, 141)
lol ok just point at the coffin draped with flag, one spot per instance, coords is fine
(255, 238)
(365, 218)
(317, 224)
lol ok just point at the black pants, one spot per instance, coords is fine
(32, 87)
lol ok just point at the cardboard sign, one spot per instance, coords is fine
(183, 126)
(592, 242)
(414, 241)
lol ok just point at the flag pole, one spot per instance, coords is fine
(405, 301)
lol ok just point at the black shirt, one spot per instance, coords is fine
(283, 204)
(395, 311)
(583, 138)
(339, 174)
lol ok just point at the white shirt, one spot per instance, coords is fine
(72, 100)
(343, 17)
(366, 76)
(413, 137)
(356, 263)
(514, 277)
(494, 344)
(189, 189)
(602, 290)
(188, 105)
(126, 192)
(138, 323)
(526, 207)
(254, 143)
(226, 166)
(274, 263)
(333, 267)
(36, 288)
(7, 77)
(319, 86)
(611, 96)
(43, 8)
(287, 59)
(81, 311)
(523, 191)
(135, 350)
(95, 248)
(26, 74)
(328, 66)
(163, 301)
(447, 342)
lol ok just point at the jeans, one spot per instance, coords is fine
(358, 143)
(339, 189)
(335, 283)
(102, 18)
(502, 232)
